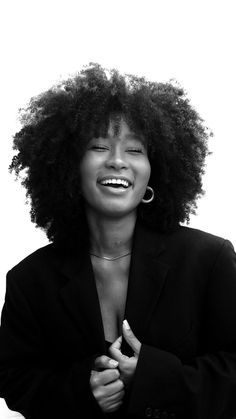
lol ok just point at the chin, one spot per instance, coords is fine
(114, 212)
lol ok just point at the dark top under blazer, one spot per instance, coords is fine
(181, 304)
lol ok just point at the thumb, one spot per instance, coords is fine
(130, 338)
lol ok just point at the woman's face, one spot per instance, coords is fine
(114, 172)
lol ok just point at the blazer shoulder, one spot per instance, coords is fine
(39, 258)
(185, 238)
(198, 241)
(200, 235)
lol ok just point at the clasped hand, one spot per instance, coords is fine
(111, 376)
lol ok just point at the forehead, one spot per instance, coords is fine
(119, 127)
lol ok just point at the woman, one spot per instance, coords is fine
(126, 313)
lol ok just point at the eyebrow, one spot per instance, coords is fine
(134, 137)
(137, 137)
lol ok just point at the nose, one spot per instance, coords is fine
(116, 159)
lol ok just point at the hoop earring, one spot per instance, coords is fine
(146, 201)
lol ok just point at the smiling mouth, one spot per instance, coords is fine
(116, 183)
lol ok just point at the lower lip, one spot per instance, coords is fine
(111, 189)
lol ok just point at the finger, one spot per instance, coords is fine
(114, 388)
(109, 395)
(116, 396)
(104, 362)
(101, 378)
(117, 343)
(130, 338)
(111, 390)
(115, 351)
(113, 407)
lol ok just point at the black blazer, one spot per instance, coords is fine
(181, 304)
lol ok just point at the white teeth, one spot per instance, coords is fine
(121, 182)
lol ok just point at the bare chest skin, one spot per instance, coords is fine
(111, 279)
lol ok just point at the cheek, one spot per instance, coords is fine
(85, 175)
(146, 172)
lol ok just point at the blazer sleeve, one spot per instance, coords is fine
(205, 388)
(30, 383)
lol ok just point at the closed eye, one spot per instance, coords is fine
(98, 148)
(135, 150)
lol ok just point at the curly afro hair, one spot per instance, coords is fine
(57, 125)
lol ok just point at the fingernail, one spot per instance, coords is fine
(126, 325)
(113, 362)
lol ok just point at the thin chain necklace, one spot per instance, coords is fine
(110, 258)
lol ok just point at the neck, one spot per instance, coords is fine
(110, 237)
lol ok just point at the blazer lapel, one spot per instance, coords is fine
(80, 298)
(147, 277)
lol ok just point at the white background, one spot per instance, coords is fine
(191, 41)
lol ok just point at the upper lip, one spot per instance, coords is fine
(111, 177)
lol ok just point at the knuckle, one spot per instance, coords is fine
(114, 374)
(103, 359)
(97, 362)
(98, 395)
(120, 384)
(94, 380)
(117, 373)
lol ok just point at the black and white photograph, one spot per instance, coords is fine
(118, 262)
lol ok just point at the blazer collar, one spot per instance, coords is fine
(80, 298)
(146, 279)
(147, 276)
